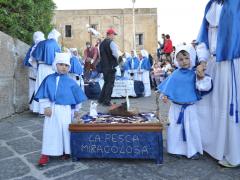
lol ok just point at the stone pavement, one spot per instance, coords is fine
(20, 146)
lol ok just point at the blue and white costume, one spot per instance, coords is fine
(76, 70)
(44, 55)
(32, 69)
(219, 40)
(131, 65)
(181, 87)
(63, 95)
(143, 72)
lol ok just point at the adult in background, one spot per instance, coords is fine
(32, 68)
(168, 48)
(44, 55)
(90, 59)
(108, 62)
(219, 52)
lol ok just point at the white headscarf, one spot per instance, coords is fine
(190, 50)
(144, 53)
(38, 36)
(54, 34)
(72, 50)
(61, 58)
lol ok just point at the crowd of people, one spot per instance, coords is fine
(200, 79)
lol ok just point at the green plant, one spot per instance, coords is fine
(21, 18)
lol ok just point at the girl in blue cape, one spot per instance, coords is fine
(76, 70)
(183, 88)
(60, 96)
(38, 36)
(131, 66)
(143, 72)
(219, 52)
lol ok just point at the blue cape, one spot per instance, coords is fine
(180, 86)
(45, 51)
(76, 67)
(128, 64)
(25, 61)
(228, 38)
(145, 64)
(67, 92)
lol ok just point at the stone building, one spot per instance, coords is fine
(72, 25)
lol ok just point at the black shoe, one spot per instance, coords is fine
(196, 156)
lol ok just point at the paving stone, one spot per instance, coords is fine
(220, 176)
(33, 128)
(53, 162)
(25, 145)
(59, 170)
(11, 168)
(11, 132)
(27, 178)
(5, 152)
(23, 122)
(82, 176)
(38, 135)
(230, 171)
(4, 124)
(64, 169)
(200, 166)
(117, 172)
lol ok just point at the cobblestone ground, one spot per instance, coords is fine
(20, 145)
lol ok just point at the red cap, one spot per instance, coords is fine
(111, 31)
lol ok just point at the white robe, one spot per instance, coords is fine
(220, 133)
(80, 81)
(56, 136)
(32, 74)
(43, 71)
(193, 143)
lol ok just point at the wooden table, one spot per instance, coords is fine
(133, 141)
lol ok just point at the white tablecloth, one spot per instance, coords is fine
(122, 88)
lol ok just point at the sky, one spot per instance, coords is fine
(181, 19)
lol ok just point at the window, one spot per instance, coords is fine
(94, 26)
(139, 39)
(68, 31)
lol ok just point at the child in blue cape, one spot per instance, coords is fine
(131, 65)
(143, 71)
(76, 70)
(60, 95)
(184, 88)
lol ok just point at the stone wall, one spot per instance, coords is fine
(13, 76)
